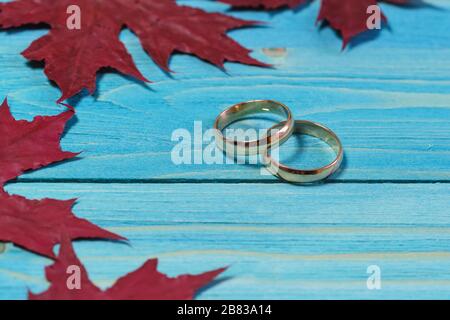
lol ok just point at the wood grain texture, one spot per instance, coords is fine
(388, 99)
(280, 241)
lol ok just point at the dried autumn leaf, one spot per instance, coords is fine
(145, 283)
(349, 17)
(73, 57)
(28, 145)
(36, 225)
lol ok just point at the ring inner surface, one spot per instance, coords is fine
(244, 110)
(314, 130)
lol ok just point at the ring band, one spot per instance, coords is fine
(307, 176)
(252, 147)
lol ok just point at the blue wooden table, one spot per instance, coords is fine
(388, 99)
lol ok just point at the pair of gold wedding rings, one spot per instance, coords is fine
(275, 136)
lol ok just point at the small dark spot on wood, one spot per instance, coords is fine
(275, 52)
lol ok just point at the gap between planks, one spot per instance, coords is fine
(221, 181)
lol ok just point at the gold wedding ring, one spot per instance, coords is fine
(313, 175)
(274, 137)
(239, 111)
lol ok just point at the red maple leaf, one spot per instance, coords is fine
(69, 280)
(73, 56)
(349, 17)
(36, 225)
(28, 145)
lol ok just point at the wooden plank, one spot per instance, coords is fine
(392, 112)
(280, 241)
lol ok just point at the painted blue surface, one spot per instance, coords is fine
(388, 99)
